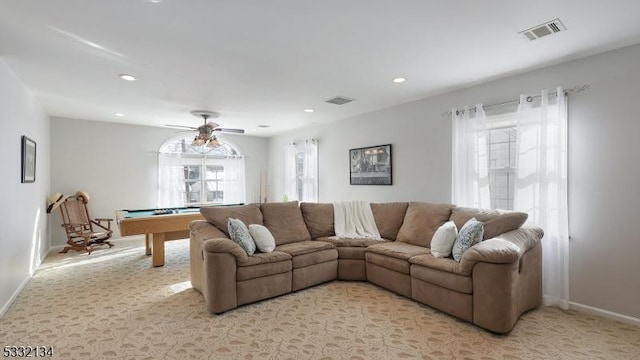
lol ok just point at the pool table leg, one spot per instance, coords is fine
(147, 243)
(157, 256)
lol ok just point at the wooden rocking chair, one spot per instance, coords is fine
(82, 232)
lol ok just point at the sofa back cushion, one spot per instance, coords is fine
(389, 218)
(421, 221)
(219, 216)
(319, 219)
(285, 221)
(496, 222)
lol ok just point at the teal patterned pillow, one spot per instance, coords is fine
(239, 233)
(470, 234)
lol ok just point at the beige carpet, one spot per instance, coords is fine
(113, 305)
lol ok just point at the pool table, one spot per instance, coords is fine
(158, 226)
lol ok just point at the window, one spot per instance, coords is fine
(195, 175)
(502, 166)
(301, 181)
(212, 181)
(502, 134)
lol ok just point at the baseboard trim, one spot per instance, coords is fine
(7, 305)
(604, 313)
(56, 248)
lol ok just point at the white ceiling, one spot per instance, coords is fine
(264, 61)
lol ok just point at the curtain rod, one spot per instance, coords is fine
(575, 89)
(298, 142)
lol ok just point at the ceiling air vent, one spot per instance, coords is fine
(543, 30)
(264, 126)
(339, 100)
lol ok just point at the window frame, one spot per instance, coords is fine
(200, 157)
(497, 122)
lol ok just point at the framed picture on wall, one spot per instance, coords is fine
(28, 160)
(370, 165)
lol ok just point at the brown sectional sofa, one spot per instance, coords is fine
(494, 283)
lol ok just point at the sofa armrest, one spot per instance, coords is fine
(225, 246)
(204, 230)
(506, 248)
(504, 289)
(201, 231)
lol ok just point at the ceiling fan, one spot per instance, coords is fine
(206, 131)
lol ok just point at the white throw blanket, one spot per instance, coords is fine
(354, 219)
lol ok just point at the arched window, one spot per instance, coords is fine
(191, 175)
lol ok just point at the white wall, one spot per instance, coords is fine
(116, 165)
(603, 167)
(24, 239)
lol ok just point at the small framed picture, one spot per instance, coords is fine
(370, 165)
(28, 160)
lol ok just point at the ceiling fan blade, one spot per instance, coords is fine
(230, 131)
(181, 127)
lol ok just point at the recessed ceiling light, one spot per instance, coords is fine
(119, 114)
(399, 80)
(309, 110)
(154, 1)
(127, 77)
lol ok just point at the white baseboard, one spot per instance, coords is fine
(7, 305)
(56, 248)
(604, 313)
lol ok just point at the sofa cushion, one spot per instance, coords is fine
(421, 221)
(285, 222)
(244, 273)
(351, 253)
(496, 222)
(318, 218)
(398, 250)
(239, 233)
(388, 262)
(350, 242)
(389, 218)
(442, 264)
(443, 239)
(469, 235)
(219, 215)
(262, 237)
(304, 247)
(264, 258)
(312, 258)
(445, 279)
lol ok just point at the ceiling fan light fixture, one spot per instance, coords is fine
(213, 142)
(198, 141)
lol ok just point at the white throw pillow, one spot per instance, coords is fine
(262, 237)
(443, 238)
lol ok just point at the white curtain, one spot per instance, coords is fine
(170, 180)
(304, 186)
(470, 173)
(541, 186)
(290, 186)
(309, 149)
(234, 181)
